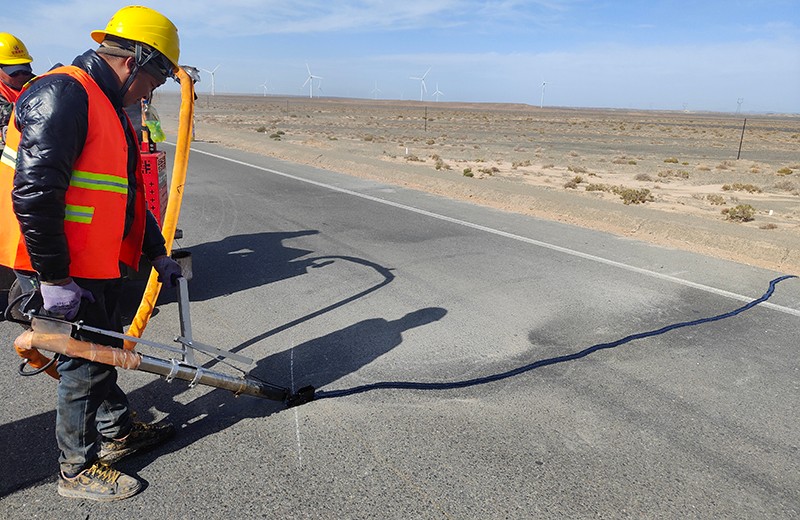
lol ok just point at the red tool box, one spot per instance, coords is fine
(154, 173)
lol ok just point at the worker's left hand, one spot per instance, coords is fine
(63, 297)
(168, 270)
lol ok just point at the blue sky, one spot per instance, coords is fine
(674, 55)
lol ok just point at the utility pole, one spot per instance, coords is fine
(740, 140)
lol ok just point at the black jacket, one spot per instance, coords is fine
(52, 115)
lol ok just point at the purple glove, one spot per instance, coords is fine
(64, 300)
(167, 269)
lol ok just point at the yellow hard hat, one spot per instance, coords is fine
(12, 50)
(142, 24)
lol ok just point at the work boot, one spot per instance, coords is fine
(141, 437)
(100, 482)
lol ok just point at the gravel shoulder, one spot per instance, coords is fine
(521, 159)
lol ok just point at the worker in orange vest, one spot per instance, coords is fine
(15, 71)
(75, 213)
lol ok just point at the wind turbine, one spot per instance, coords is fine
(212, 78)
(375, 91)
(422, 88)
(310, 81)
(438, 93)
(739, 102)
(265, 88)
(541, 103)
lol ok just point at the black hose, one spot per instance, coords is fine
(21, 370)
(8, 315)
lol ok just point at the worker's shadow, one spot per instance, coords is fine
(29, 455)
(318, 362)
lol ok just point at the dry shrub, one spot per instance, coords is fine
(577, 169)
(671, 160)
(738, 186)
(716, 200)
(785, 171)
(599, 187)
(573, 183)
(741, 213)
(623, 160)
(517, 164)
(634, 196)
(680, 174)
(643, 177)
(628, 195)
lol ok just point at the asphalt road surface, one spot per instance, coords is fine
(469, 363)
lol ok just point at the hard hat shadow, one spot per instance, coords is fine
(233, 264)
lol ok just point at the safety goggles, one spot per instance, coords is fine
(158, 66)
(17, 70)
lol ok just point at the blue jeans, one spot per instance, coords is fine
(90, 403)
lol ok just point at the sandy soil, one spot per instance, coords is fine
(678, 171)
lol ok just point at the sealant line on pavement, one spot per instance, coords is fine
(416, 385)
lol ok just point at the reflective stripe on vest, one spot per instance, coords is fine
(79, 214)
(99, 182)
(9, 157)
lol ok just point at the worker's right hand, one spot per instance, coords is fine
(168, 270)
(64, 299)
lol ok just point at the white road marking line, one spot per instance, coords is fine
(572, 252)
(296, 414)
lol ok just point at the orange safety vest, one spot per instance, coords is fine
(95, 202)
(8, 93)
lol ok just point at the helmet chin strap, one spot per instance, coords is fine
(139, 62)
(132, 76)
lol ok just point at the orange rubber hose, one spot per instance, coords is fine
(179, 168)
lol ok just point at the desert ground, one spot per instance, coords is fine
(669, 178)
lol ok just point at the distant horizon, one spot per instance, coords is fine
(722, 56)
(432, 103)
